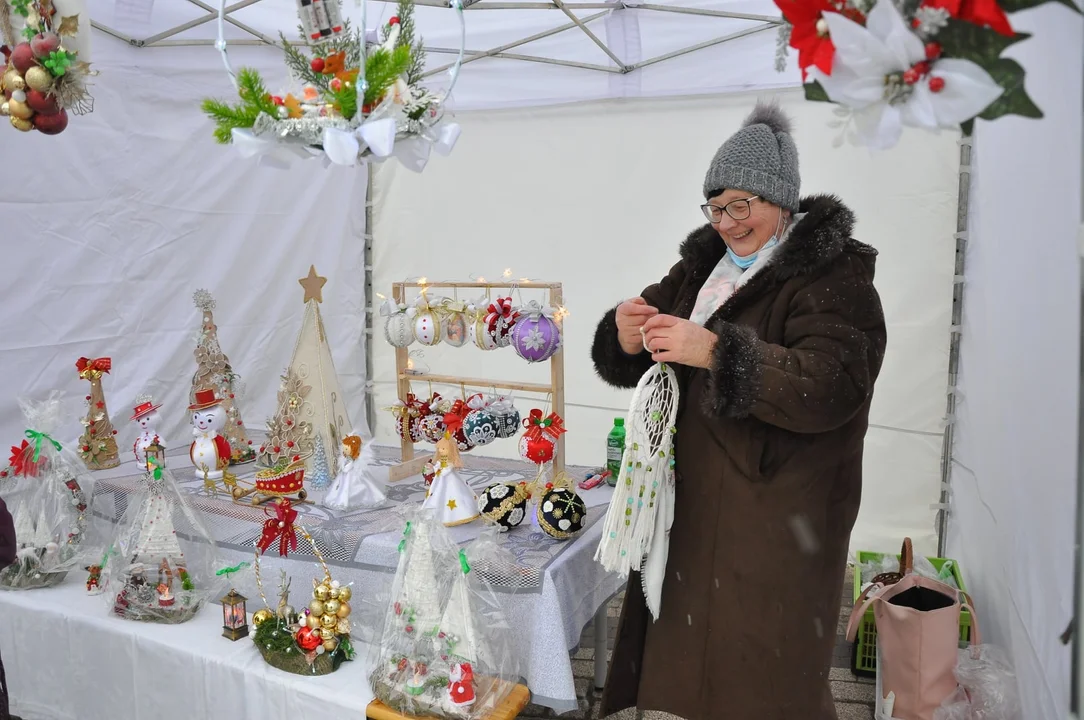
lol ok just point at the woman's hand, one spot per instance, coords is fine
(631, 316)
(683, 342)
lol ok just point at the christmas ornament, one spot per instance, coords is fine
(399, 326)
(54, 60)
(635, 535)
(536, 335)
(561, 513)
(427, 325)
(500, 318)
(480, 426)
(506, 415)
(478, 328)
(145, 414)
(359, 484)
(43, 489)
(97, 444)
(357, 104)
(453, 422)
(449, 496)
(539, 441)
(261, 616)
(213, 370)
(408, 419)
(210, 451)
(163, 565)
(432, 417)
(504, 504)
(454, 321)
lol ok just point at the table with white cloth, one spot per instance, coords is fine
(548, 589)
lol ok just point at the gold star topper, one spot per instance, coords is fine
(313, 285)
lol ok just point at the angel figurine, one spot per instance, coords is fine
(360, 482)
(449, 496)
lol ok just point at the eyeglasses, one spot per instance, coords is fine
(737, 209)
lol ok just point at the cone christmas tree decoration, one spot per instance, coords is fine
(214, 371)
(326, 407)
(97, 444)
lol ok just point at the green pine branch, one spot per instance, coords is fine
(382, 69)
(300, 66)
(405, 12)
(254, 100)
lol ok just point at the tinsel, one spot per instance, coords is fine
(310, 130)
(6, 28)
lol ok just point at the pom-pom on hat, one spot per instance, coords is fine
(761, 158)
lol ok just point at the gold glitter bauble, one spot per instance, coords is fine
(343, 628)
(38, 78)
(334, 593)
(20, 124)
(4, 108)
(19, 110)
(321, 592)
(314, 622)
(331, 606)
(344, 594)
(344, 610)
(331, 644)
(327, 634)
(316, 607)
(261, 616)
(13, 80)
(328, 621)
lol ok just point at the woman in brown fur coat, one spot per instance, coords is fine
(774, 327)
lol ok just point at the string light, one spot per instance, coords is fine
(561, 313)
(507, 273)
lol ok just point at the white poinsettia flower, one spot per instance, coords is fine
(883, 74)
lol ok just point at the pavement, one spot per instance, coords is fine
(854, 696)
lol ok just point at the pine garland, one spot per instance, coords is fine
(254, 100)
(382, 69)
(405, 11)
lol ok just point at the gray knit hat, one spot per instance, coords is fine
(761, 158)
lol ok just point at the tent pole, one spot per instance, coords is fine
(370, 414)
(962, 208)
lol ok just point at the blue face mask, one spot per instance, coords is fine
(747, 262)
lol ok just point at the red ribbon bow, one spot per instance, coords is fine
(501, 308)
(88, 367)
(281, 528)
(453, 419)
(537, 426)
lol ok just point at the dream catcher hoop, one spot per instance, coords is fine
(405, 122)
(636, 532)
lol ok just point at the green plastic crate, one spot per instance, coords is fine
(864, 652)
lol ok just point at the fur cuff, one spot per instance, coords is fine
(734, 378)
(614, 365)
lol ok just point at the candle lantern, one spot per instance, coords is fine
(158, 452)
(234, 616)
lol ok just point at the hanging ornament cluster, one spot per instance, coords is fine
(539, 441)
(472, 421)
(46, 64)
(533, 329)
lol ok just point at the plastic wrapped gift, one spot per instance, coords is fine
(446, 649)
(161, 563)
(47, 490)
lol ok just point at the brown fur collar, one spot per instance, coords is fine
(814, 243)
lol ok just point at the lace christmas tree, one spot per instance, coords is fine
(321, 474)
(214, 371)
(97, 446)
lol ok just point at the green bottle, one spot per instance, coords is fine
(615, 450)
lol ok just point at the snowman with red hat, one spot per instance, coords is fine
(210, 451)
(145, 413)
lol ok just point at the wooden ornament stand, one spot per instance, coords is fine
(411, 465)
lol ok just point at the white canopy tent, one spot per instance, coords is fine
(112, 225)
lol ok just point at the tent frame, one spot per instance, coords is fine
(166, 38)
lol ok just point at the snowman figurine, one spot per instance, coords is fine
(210, 451)
(146, 415)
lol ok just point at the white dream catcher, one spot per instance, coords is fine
(636, 532)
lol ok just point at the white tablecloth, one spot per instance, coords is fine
(68, 658)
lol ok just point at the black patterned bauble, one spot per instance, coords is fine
(561, 513)
(504, 504)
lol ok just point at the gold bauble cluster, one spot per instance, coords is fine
(328, 612)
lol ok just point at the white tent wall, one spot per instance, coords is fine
(600, 195)
(110, 227)
(1014, 475)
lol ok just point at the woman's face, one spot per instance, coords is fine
(747, 236)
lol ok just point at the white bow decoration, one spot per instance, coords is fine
(343, 148)
(533, 309)
(389, 308)
(501, 404)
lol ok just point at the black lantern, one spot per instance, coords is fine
(234, 616)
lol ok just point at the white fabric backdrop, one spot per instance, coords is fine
(599, 196)
(110, 227)
(1016, 437)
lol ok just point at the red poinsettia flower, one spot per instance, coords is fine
(22, 460)
(984, 13)
(809, 30)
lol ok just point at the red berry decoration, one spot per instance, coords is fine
(278, 448)
(289, 443)
(933, 50)
(409, 629)
(278, 101)
(403, 665)
(394, 20)
(937, 84)
(317, 64)
(296, 458)
(398, 609)
(86, 448)
(911, 76)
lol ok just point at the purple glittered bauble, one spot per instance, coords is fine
(536, 337)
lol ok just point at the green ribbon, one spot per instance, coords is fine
(236, 568)
(463, 561)
(105, 557)
(406, 534)
(157, 472)
(37, 438)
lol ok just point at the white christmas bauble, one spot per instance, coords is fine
(481, 337)
(399, 330)
(427, 328)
